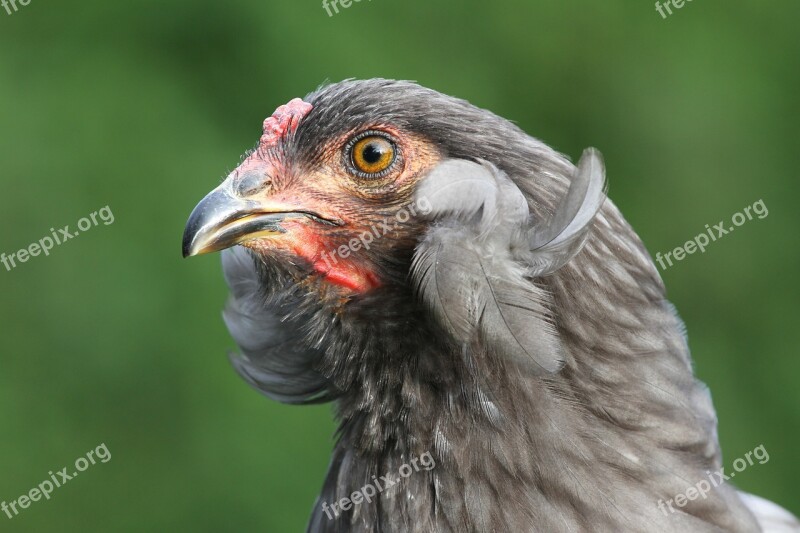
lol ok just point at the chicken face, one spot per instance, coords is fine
(320, 199)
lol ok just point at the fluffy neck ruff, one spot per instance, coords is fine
(593, 447)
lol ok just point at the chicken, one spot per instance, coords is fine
(463, 293)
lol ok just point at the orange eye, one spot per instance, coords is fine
(373, 155)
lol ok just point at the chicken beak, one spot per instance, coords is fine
(225, 218)
(222, 220)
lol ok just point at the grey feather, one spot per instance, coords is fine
(466, 268)
(274, 359)
(554, 242)
(771, 518)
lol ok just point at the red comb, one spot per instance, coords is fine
(284, 120)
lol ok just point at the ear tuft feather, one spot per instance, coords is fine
(465, 271)
(556, 241)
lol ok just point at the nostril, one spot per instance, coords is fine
(251, 183)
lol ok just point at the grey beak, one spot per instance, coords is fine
(222, 220)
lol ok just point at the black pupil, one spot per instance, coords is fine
(373, 153)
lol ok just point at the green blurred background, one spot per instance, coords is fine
(144, 105)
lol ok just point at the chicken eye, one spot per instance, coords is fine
(372, 155)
